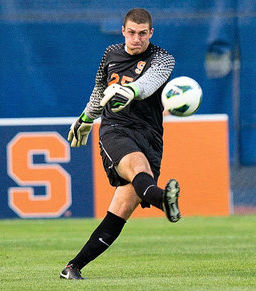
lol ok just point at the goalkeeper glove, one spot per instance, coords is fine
(79, 131)
(118, 96)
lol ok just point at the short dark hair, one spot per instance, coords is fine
(138, 15)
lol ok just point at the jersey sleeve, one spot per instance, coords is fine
(159, 72)
(93, 109)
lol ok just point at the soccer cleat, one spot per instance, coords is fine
(71, 273)
(170, 200)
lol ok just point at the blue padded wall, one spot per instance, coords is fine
(247, 35)
(50, 51)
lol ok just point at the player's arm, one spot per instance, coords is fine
(159, 72)
(81, 128)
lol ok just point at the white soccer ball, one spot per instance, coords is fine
(182, 96)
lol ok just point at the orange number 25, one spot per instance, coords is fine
(115, 79)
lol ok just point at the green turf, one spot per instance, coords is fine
(200, 254)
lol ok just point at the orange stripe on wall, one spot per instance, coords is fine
(196, 154)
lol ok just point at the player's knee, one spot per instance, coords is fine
(141, 169)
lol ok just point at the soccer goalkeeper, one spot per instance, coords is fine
(127, 96)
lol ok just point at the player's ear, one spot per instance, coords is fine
(123, 29)
(151, 32)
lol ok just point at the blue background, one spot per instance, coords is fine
(50, 52)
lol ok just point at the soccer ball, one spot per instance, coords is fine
(182, 96)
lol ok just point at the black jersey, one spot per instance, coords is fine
(148, 71)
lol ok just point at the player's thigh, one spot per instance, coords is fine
(132, 164)
(124, 201)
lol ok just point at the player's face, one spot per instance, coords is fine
(136, 36)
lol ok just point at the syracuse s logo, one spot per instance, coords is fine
(140, 67)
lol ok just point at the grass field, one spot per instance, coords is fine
(151, 254)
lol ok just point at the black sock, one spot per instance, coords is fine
(103, 236)
(146, 188)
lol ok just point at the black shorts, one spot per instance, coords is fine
(120, 141)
